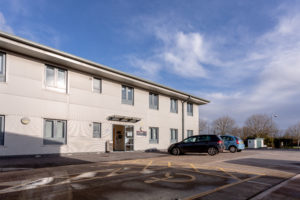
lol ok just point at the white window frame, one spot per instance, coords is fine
(55, 86)
(3, 64)
(189, 109)
(54, 140)
(174, 135)
(152, 139)
(173, 109)
(96, 90)
(126, 100)
(2, 129)
(100, 133)
(189, 133)
(152, 97)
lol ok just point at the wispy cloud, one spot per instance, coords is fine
(277, 86)
(4, 26)
(260, 76)
(27, 27)
(180, 53)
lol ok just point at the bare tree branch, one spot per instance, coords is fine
(223, 125)
(202, 125)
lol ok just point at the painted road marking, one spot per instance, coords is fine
(148, 165)
(28, 185)
(114, 173)
(169, 178)
(220, 188)
(44, 182)
(229, 174)
(193, 166)
(206, 173)
(256, 182)
(92, 175)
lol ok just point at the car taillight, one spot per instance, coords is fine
(237, 141)
(220, 142)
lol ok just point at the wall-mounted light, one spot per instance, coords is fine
(25, 120)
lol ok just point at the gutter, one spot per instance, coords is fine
(182, 115)
(46, 49)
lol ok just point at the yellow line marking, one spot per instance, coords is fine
(194, 167)
(169, 164)
(148, 165)
(220, 188)
(229, 174)
(113, 173)
(206, 173)
(169, 178)
(234, 170)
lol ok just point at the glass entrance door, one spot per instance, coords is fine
(129, 139)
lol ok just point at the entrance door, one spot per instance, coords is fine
(119, 139)
(123, 139)
(129, 138)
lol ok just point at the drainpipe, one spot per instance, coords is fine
(182, 113)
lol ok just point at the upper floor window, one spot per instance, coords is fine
(174, 135)
(127, 95)
(96, 130)
(2, 67)
(190, 109)
(97, 85)
(56, 78)
(1, 130)
(190, 133)
(174, 106)
(153, 101)
(55, 131)
(153, 135)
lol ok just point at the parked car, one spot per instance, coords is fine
(233, 143)
(211, 144)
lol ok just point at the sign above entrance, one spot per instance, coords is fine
(141, 133)
(120, 118)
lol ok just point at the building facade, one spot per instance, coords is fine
(54, 102)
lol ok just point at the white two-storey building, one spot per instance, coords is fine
(54, 102)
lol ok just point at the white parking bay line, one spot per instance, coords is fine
(259, 183)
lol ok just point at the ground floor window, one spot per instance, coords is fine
(96, 130)
(2, 130)
(55, 131)
(153, 135)
(174, 135)
(190, 133)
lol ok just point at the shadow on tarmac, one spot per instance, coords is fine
(282, 165)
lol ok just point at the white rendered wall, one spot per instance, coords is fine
(24, 95)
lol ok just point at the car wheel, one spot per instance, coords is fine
(175, 151)
(212, 151)
(232, 149)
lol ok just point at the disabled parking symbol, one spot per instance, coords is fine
(175, 178)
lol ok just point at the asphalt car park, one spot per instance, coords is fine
(158, 176)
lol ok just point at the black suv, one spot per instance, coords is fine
(211, 144)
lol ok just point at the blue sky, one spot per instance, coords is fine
(244, 56)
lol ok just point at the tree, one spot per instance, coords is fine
(202, 125)
(236, 131)
(223, 125)
(260, 126)
(294, 132)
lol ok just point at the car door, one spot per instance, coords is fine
(201, 144)
(188, 144)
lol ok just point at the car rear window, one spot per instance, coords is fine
(215, 138)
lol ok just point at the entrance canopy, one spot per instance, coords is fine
(120, 118)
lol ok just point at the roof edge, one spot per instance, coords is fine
(104, 67)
